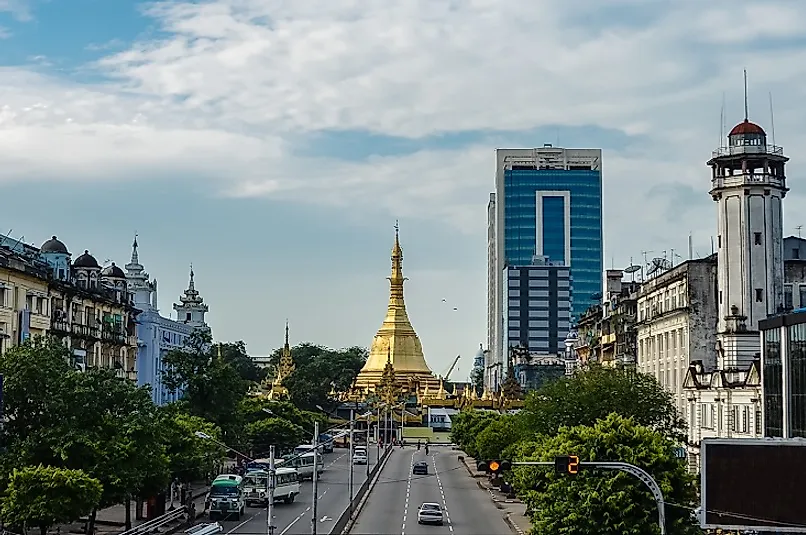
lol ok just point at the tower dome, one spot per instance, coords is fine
(746, 127)
(113, 272)
(54, 245)
(86, 260)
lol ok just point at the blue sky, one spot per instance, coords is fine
(273, 144)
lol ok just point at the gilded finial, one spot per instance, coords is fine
(286, 333)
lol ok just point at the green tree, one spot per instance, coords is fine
(511, 387)
(278, 432)
(43, 496)
(593, 394)
(467, 426)
(190, 458)
(477, 380)
(605, 502)
(319, 370)
(109, 429)
(234, 353)
(212, 387)
(499, 435)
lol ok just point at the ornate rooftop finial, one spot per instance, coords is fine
(135, 257)
(286, 346)
(192, 285)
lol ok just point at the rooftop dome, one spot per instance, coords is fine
(113, 271)
(53, 245)
(86, 261)
(746, 127)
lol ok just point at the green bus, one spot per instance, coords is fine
(227, 497)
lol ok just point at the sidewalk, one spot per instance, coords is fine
(113, 519)
(513, 509)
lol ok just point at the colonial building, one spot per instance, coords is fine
(156, 334)
(92, 310)
(677, 318)
(24, 298)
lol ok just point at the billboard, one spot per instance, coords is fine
(753, 484)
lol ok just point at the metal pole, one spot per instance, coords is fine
(352, 450)
(631, 469)
(315, 477)
(402, 422)
(378, 433)
(270, 505)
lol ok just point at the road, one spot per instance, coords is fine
(295, 518)
(392, 505)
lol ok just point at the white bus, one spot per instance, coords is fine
(304, 465)
(286, 486)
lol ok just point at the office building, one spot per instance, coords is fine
(783, 369)
(547, 203)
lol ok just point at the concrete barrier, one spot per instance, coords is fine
(347, 518)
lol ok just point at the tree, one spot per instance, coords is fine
(274, 431)
(511, 387)
(212, 387)
(109, 429)
(496, 438)
(467, 426)
(477, 380)
(605, 502)
(234, 353)
(593, 394)
(190, 458)
(44, 495)
(318, 370)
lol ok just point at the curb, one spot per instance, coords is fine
(512, 525)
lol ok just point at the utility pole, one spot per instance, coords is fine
(315, 476)
(352, 452)
(270, 505)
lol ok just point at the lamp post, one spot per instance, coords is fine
(315, 477)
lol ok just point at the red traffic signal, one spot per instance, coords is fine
(566, 464)
(495, 466)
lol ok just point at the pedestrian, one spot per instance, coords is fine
(191, 513)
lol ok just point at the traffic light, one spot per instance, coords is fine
(495, 466)
(566, 464)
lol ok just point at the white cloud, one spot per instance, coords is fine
(235, 82)
(20, 9)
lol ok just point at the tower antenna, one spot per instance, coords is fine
(722, 121)
(772, 120)
(746, 111)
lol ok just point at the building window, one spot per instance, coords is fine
(796, 253)
(802, 292)
(788, 297)
(797, 379)
(772, 376)
(757, 238)
(759, 295)
(719, 240)
(2, 296)
(187, 316)
(720, 297)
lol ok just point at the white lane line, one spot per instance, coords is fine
(321, 495)
(336, 459)
(408, 493)
(294, 521)
(241, 525)
(442, 492)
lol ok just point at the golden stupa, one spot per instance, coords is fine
(285, 368)
(396, 342)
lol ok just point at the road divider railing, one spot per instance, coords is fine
(159, 522)
(345, 522)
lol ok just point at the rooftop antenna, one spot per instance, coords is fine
(690, 247)
(772, 120)
(722, 121)
(799, 228)
(746, 112)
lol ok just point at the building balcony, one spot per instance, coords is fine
(736, 150)
(84, 331)
(59, 326)
(114, 337)
(608, 339)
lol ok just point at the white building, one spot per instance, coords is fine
(677, 318)
(157, 335)
(748, 183)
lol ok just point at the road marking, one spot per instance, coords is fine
(294, 521)
(408, 493)
(241, 524)
(321, 495)
(442, 492)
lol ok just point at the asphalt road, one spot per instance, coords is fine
(295, 518)
(392, 506)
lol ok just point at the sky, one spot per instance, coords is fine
(273, 144)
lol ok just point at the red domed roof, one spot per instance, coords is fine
(747, 127)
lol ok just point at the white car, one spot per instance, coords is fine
(429, 513)
(360, 458)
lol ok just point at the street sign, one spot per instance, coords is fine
(566, 464)
(753, 484)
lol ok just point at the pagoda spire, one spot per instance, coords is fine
(135, 256)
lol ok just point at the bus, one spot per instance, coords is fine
(226, 497)
(304, 465)
(256, 483)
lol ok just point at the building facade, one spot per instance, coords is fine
(783, 372)
(748, 183)
(677, 319)
(794, 273)
(537, 306)
(24, 298)
(548, 203)
(157, 335)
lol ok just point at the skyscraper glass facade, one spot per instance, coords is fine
(529, 192)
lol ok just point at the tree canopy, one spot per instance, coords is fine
(44, 496)
(601, 501)
(190, 458)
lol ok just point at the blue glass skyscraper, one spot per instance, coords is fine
(547, 204)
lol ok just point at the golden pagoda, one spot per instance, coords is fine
(396, 343)
(284, 369)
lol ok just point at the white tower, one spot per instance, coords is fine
(748, 183)
(193, 308)
(137, 278)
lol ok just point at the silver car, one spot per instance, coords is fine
(429, 513)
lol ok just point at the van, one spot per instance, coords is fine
(226, 497)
